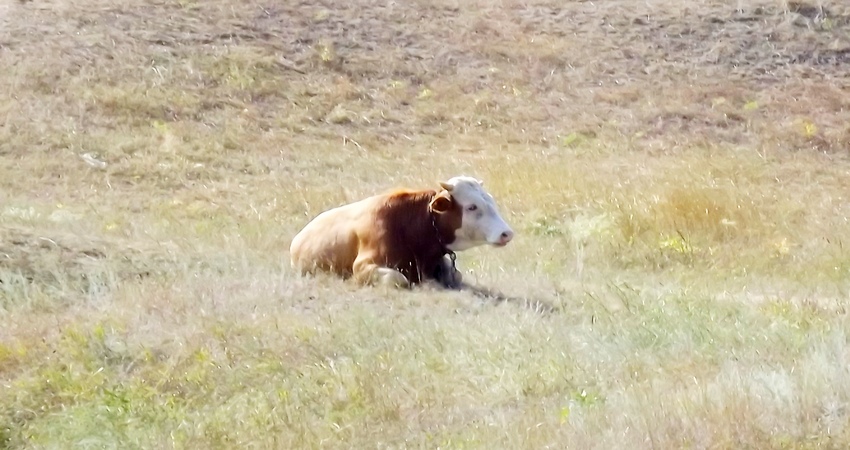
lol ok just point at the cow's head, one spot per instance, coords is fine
(480, 222)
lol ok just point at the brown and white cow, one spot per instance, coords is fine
(404, 237)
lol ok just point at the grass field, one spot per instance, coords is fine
(678, 175)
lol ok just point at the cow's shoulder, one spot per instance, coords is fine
(403, 205)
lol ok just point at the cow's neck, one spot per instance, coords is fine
(444, 248)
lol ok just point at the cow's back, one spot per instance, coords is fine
(330, 241)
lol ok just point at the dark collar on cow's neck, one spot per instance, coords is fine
(443, 247)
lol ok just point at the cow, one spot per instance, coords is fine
(402, 238)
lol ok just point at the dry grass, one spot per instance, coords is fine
(677, 173)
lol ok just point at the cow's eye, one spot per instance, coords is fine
(472, 207)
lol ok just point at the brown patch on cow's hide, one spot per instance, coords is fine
(410, 241)
(449, 221)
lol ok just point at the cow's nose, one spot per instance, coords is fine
(506, 237)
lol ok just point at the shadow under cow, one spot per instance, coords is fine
(535, 304)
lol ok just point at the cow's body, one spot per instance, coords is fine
(401, 237)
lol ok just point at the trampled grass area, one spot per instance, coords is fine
(677, 174)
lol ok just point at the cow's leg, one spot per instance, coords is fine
(392, 277)
(367, 272)
(447, 274)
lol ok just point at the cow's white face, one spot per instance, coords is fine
(481, 223)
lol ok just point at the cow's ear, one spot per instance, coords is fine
(441, 204)
(446, 186)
